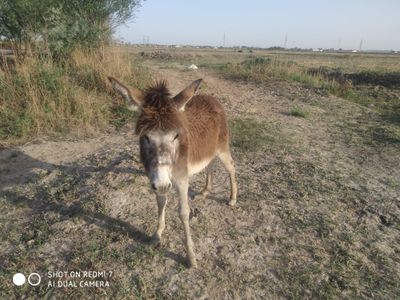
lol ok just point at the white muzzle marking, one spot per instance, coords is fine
(160, 181)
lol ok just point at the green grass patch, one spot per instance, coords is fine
(385, 135)
(252, 136)
(298, 112)
(121, 115)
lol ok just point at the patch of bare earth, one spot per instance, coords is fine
(317, 214)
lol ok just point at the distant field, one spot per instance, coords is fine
(348, 62)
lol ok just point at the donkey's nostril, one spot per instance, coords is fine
(169, 186)
(153, 186)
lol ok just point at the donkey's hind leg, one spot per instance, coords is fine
(209, 182)
(228, 163)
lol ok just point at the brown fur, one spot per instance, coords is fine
(203, 121)
(207, 127)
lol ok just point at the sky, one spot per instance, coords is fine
(257, 23)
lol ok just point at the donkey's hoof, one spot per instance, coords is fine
(232, 203)
(155, 241)
(192, 263)
(205, 193)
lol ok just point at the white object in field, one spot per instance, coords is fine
(193, 67)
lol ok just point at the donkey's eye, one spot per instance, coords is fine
(147, 138)
(176, 136)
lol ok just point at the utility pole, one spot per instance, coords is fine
(361, 44)
(223, 44)
(284, 44)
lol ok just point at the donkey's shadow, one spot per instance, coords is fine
(18, 169)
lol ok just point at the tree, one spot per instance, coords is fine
(19, 19)
(61, 25)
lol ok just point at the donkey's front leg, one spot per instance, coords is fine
(184, 212)
(161, 203)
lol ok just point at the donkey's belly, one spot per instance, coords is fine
(196, 167)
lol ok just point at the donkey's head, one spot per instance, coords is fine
(161, 128)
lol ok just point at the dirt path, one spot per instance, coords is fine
(315, 206)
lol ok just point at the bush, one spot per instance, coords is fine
(391, 79)
(59, 26)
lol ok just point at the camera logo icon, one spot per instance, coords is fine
(19, 279)
(34, 279)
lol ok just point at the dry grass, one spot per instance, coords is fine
(41, 97)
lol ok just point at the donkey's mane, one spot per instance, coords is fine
(158, 110)
(158, 95)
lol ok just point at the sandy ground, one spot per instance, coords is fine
(86, 205)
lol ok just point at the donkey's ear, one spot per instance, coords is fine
(133, 96)
(183, 97)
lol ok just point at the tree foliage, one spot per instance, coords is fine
(61, 25)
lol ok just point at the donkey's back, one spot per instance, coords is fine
(207, 131)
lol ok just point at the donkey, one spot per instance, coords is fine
(179, 136)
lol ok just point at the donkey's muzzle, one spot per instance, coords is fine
(162, 188)
(159, 180)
